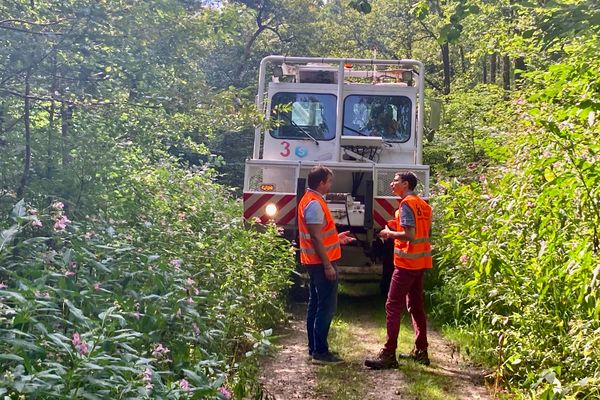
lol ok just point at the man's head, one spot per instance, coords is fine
(320, 179)
(403, 183)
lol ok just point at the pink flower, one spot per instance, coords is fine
(83, 348)
(184, 385)
(147, 375)
(136, 314)
(69, 273)
(160, 351)
(36, 222)
(97, 286)
(189, 282)
(464, 258)
(58, 205)
(225, 392)
(190, 300)
(61, 223)
(76, 339)
(3, 285)
(33, 211)
(175, 263)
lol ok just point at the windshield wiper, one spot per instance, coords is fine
(295, 125)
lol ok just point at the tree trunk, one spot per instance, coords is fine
(463, 63)
(493, 67)
(27, 123)
(247, 53)
(521, 66)
(506, 72)
(446, 60)
(51, 112)
(484, 69)
(65, 115)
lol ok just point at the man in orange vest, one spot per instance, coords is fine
(412, 256)
(319, 250)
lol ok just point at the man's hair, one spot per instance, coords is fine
(409, 177)
(317, 175)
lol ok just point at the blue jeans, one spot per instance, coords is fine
(322, 304)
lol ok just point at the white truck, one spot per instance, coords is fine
(363, 119)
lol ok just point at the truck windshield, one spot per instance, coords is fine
(310, 115)
(385, 116)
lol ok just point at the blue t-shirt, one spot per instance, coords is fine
(407, 217)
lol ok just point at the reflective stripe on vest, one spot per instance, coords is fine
(415, 254)
(331, 242)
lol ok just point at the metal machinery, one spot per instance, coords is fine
(362, 118)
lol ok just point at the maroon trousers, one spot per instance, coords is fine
(406, 292)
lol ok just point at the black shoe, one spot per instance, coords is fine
(382, 361)
(418, 356)
(326, 359)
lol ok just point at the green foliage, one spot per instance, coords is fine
(518, 250)
(90, 310)
(473, 133)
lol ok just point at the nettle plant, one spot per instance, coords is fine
(175, 303)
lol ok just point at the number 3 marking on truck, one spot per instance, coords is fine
(286, 149)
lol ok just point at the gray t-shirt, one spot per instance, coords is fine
(313, 212)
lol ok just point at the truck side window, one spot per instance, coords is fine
(310, 113)
(386, 116)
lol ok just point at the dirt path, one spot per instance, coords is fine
(357, 332)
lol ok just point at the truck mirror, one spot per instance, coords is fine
(435, 115)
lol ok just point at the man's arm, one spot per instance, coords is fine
(406, 236)
(407, 221)
(317, 239)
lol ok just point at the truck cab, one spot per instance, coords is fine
(363, 119)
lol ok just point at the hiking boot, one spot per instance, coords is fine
(383, 360)
(326, 359)
(418, 356)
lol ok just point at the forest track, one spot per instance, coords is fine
(357, 332)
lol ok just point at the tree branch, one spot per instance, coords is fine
(431, 34)
(74, 102)
(12, 28)
(32, 23)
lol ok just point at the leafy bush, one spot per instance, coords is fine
(164, 294)
(518, 249)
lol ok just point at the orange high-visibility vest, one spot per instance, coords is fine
(331, 241)
(415, 254)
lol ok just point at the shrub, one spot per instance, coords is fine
(162, 294)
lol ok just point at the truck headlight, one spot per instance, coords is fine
(271, 210)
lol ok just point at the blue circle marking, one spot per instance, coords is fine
(300, 151)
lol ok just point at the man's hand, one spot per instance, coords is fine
(345, 237)
(385, 233)
(330, 273)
